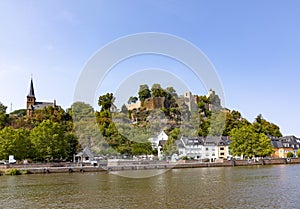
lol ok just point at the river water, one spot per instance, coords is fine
(231, 187)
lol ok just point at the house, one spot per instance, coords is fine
(113, 108)
(191, 147)
(32, 104)
(284, 145)
(280, 149)
(210, 148)
(158, 140)
(223, 148)
(86, 156)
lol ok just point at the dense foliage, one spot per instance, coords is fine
(55, 134)
(246, 142)
(298, 153)
(290, 154)
(46, 136)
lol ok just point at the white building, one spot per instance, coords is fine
(210, 148)
(191, 147)
(155, 140)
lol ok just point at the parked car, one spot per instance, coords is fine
(3, 162)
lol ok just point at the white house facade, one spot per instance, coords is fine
(191, 147)
(209, 148)
(155, 140)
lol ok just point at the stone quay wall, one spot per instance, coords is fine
(119, 165)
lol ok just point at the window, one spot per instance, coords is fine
(221, 148)
(206, 148)
(222, 153)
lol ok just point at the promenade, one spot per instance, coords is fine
(120, 165)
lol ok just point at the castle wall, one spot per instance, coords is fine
(154, 103)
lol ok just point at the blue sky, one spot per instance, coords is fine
(254, 46)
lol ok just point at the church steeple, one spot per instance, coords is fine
(31, 91)
(30, 100)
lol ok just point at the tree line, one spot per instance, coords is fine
(210, 119)
(47, 136)
(56, 134)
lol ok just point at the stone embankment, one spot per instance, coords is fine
(119, 165)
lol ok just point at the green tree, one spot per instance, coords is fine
(242, 141)
(23, 145)
(157, 90)
(172, 92)
(132, 100)
(72, 145)
(298, 153)
(233, 120)
(290, 154)
(105, 101)
(21, 112)
(217, 123)
(144, 92)
(170, 147)
(141, 148)
(15, 142)
(55, 114)
(204, 125)
(49, 141)
(263, 126)
(2, 108)
(81, 111)
(3, 120)
(7, 136)
(246, 142)
(3, 116)
(264, 147)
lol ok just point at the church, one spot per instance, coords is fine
(32, 104)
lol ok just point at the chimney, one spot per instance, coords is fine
(54, 103)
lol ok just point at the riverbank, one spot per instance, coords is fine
(122, 165)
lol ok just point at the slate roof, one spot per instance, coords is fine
(191, 140)
(212, 140)
(31, 90)
(285, 142)
(42, 105)
(206, 141)
(86, 152)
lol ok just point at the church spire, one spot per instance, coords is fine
(31, 91)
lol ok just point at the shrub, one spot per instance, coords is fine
(298, 153)
(290, 154)
(184, 158)
(13, 172)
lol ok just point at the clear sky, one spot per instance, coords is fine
(253, 44)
